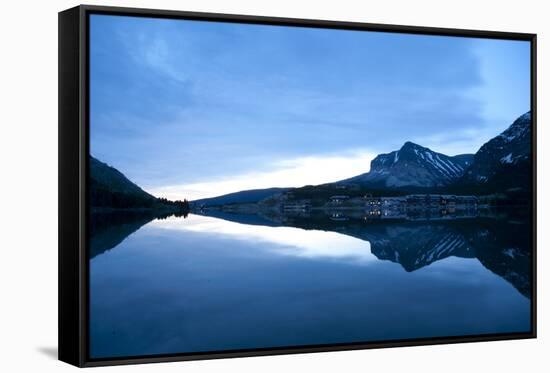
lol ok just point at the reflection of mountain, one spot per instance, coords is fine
(109, 229)
(242, 218)
(119, 207)
(501, 245)
(416, 245)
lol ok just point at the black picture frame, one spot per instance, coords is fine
(73, 176)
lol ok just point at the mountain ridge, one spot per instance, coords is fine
(243, 196)
(111, 189)
(504, 161)
(413, 165)
(501, 164)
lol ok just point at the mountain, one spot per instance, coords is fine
(502, 165)
(110, 189)
(413, 165)
(107, 176)
(504, 162)
(245, 196)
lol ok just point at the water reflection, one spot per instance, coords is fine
(109, 228)
(282, 240)
(230, 280)
(500, 241)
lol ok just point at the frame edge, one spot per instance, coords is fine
(306, 22)
(72, 175)
(69, 148)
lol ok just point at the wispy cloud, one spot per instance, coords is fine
(196, 109)
(459, 141)
(157, 55)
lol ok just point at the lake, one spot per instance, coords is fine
(205, 283)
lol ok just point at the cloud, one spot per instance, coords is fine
(459, 141)
(505, 72)
(192, 108)
(284, 173)
(157, 55)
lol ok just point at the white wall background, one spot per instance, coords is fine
(28, 182)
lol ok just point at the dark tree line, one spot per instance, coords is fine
(103, 197)
(181, 205)
(100, 196)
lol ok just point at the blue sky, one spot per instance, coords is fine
(191, 109)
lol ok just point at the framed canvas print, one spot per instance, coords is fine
(238, 186)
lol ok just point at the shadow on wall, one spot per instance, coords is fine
(50, 352)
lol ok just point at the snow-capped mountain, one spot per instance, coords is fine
(505, 159)
(414, 165)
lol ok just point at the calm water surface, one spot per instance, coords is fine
(205, 284)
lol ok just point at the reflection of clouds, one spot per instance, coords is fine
(317, 169)
(284, 240)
